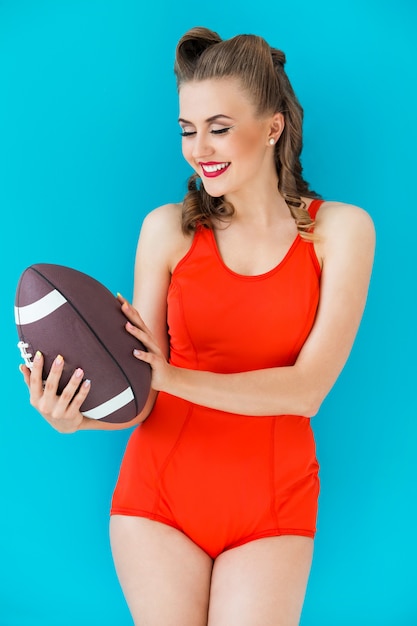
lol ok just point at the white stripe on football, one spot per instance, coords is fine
(112, 405)
(38, 310)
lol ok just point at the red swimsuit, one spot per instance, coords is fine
(225, 479)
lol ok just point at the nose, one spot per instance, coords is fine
(201, 146)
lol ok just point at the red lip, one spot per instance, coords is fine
(216, 172)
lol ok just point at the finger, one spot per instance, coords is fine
(125, 305)
(134, 330)
(141, 355)
(144, 336)
(25, 371)
(81, 395)
(35, 380)
(132, 314)
(69, 391)
(52, 381)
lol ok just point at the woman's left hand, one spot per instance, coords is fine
(154, 355)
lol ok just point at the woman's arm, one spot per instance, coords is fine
(346, 241)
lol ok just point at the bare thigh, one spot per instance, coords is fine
(262, 582)
(165, 577)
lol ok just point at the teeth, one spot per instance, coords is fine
(214, 168)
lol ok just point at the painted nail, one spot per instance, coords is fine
(59, 359)
(38, 355)
(79, 372)
(87, 382)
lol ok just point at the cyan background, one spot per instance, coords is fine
(88, 145)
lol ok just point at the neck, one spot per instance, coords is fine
(261, 206)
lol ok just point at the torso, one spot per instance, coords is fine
(196, 468)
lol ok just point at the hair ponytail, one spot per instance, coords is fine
(288, 150)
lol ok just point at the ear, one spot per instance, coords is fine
(277, 126)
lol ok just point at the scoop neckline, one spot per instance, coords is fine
(274, 269)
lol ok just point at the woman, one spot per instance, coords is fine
(250, 294)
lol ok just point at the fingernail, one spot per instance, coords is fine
(137, 352)
(87, 383)
(58, 360)
(79, 372)
(21, 368)
(38, 355)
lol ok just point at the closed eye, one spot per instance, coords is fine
(219, 131)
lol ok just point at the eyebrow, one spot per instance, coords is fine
(213, 118)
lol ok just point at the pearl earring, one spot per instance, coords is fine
(271, 141)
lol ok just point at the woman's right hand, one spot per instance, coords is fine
(62, 412)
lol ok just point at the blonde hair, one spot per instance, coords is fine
(201, 54)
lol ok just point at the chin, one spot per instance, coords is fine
(212, 191)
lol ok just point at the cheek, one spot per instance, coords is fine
(249, 151)
(186, 150)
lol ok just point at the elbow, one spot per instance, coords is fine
(139, 419)
(311, 404)
(142, 416)
(311, 411)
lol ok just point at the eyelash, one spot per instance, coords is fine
(221, 131)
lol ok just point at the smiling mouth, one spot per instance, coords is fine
(214, 169)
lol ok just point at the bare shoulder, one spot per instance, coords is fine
(335, 214)
(162, 236)
(342, 226)
(163, 218)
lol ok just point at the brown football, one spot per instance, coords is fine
(60, 310)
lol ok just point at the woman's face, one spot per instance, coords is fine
(224, 140)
